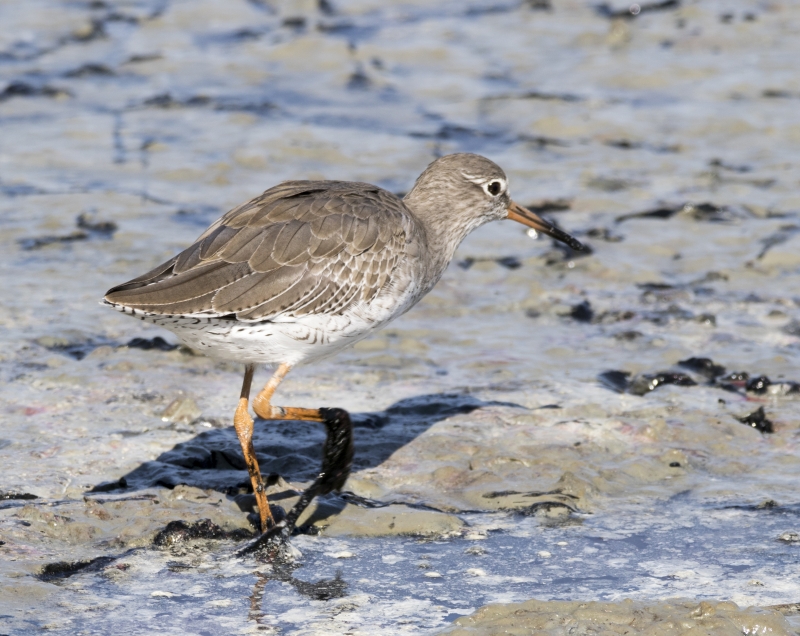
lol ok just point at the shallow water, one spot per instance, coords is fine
(125, 128)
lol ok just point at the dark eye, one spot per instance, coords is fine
(494, 188)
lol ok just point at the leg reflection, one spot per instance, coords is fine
(256, 613)
(322, 590)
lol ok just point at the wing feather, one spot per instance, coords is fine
(154, 275)
(242, 245)
(291, 246)
(300, 248)
(216, 241)
(197, 282)
(248, 292)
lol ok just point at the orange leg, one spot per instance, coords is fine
(243, 424)
(264, 409)
(337, 454)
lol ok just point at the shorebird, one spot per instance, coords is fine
(308, 268)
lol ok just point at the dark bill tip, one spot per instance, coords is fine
(523, 215)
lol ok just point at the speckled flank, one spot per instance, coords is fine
(293, 340)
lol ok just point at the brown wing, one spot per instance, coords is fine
(302, 247)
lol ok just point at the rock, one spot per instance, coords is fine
(390, 521)
(666, 618)
(181, 410)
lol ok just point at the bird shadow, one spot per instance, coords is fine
(292, 449)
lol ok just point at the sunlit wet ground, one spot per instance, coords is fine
(668, 141)
(406, 585)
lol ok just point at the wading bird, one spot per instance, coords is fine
(308, 268)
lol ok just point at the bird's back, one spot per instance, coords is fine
(301, 248)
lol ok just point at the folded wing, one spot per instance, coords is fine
(302, 247)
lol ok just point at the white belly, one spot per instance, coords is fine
(291, 340)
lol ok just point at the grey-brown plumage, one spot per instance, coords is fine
(323, 247)
(311, 267)
(303, 247)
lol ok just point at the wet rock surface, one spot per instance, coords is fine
(627, 617)
(551, 425)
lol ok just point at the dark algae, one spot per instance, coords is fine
(704, 366)
(6, 496)
(758, 420)
(157, 343)
(650, 382)
(582, 312)
(180, 532)
(706, 371)
(53, 572)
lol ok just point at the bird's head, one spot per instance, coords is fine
(468, 190)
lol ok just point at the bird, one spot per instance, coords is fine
(308, 268)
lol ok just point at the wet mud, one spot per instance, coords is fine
(627, 617)
(577, 428)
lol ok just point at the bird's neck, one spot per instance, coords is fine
(445, 227)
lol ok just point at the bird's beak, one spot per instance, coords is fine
(522, 215)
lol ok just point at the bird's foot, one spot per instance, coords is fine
(272, 546)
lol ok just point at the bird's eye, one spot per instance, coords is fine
(494, 188)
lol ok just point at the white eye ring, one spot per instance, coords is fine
(495, 187)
